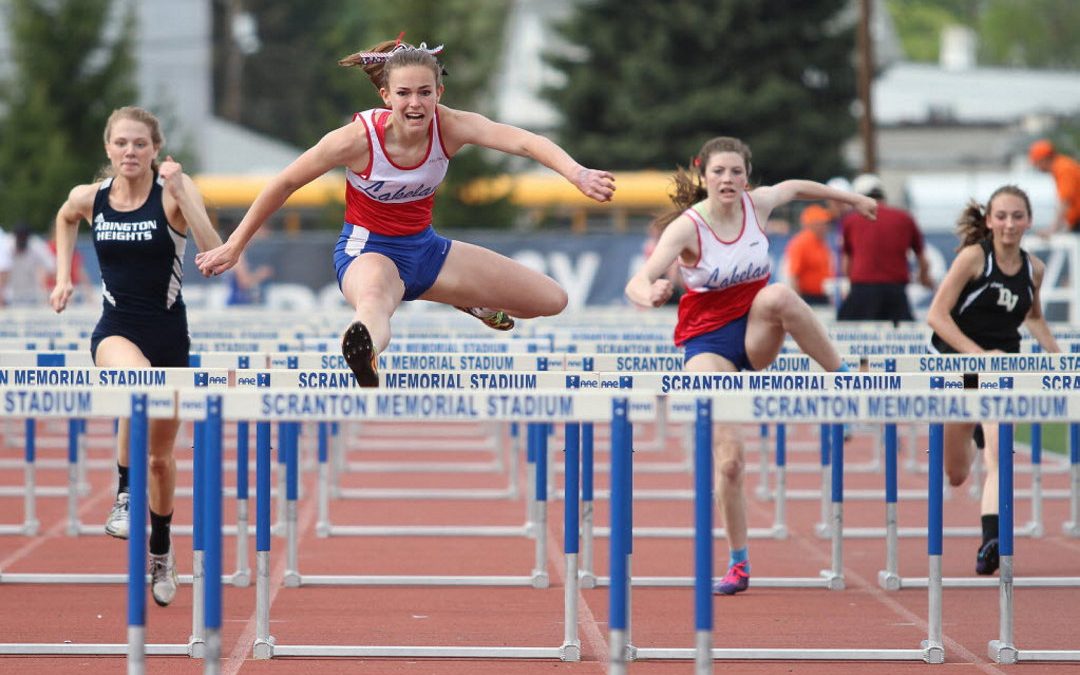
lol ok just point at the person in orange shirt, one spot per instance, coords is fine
(1066, 173)
(808, 256)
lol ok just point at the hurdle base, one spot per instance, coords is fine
(888, 580)
(833, 581)
(932, 652)
(570, 651)
(196, 648)
(292, 579)
(413, 580)
(790, 654)
(263, 649)
(241, 578)
(403, 651)
(540, 579)
(1071, 529)
(88, 649)
(586, 579)
(1002, 652)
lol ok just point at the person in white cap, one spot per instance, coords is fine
(875, 258)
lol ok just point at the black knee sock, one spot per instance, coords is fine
(123, 484)
(159, 533)
(980, 438)
(989, 527)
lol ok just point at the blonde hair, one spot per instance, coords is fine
(971, 225)
(379, 61)
(136, 114)
(689, 182)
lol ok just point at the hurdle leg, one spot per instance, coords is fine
(530, 483)
(703, 538)
(242, 576)
(279, 523)
(197, 642)
(291, 431)
(620, 528)
(571, 646)
(137, 461)
(539, 435)
(889, 578)
(835, 576)
(779, 528)
(263, 647)
(1003, 650)
(213, 494)
(1072, 526)
(933, 646)
(912, 463)
(74, 432)
(30, 521)
(1035, 525)
(322, 523)
(762, 490)
(825, 438)
(586, 573)
(512, 463)
(84, 482)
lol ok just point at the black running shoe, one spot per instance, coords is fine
(359, 353)
(986, 563)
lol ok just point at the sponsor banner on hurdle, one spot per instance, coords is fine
(533, 406)
(84, 402)
(115, 377)
(928, 406)
(977, 363)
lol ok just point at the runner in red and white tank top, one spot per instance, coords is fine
(727, 275)
(387, 198)
(731, 318)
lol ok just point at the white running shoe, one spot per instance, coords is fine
(163, 579)
(118, 524)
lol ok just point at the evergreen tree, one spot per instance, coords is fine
(658, 79)
(68, 77)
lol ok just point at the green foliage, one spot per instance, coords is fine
(659, 79)
(1021, 33)
(294, 89)
(67, 80)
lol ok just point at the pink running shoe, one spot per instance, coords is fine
(736, 580)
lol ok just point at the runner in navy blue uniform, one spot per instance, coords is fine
(139, 216)
(394, 159)
(991, 288)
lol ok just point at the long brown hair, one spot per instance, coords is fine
(689, 188)
(136, 114)
(971, 225)
(379, 61)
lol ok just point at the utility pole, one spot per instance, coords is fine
(865, 46)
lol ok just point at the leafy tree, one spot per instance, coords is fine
(67, 79)
(294, 89)
(1032, 33)
(658, 79)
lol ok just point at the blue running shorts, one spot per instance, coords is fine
(419, 257)
(728, 341)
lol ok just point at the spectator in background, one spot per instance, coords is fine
(875, 259)
(31, 265)
(1066, 173)
(808, 256)
(246, 284)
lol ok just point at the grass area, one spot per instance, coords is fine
(1055, 437)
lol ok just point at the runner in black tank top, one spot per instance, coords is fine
(992, 308)
(991, 288)
(141, 257)
(139, 220)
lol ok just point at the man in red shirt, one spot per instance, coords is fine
(875, 259)
(1066, 173)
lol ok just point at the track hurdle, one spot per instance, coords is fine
(540, 407)
(117, 402)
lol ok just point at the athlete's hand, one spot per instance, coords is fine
(217, 260)
(171, 174)
(866, 206)
(660, 292)
(595, 184)
(60, 295)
